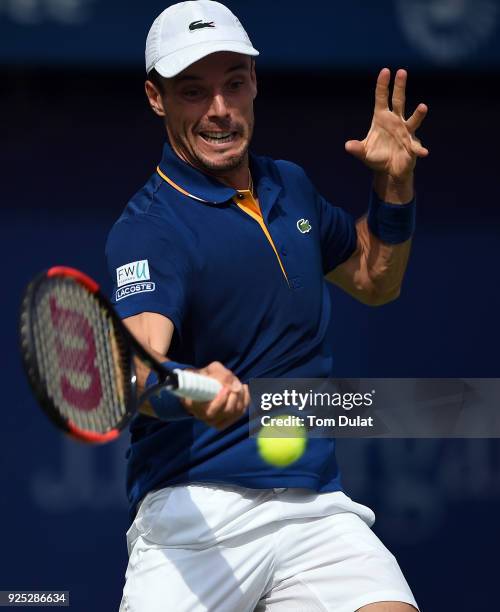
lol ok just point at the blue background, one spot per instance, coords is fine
(78, 140)
(427, 33)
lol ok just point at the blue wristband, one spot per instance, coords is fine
(167, 406)
(391, 223)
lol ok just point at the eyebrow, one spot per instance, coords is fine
(193, 77)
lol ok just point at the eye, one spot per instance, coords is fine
(192, 93)
(235, 85)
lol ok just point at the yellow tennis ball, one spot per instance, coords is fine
(283, 442)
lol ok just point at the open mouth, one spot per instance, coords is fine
(218, 137)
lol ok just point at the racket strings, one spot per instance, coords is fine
(79, 356)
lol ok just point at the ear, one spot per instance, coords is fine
(253, 78)
(155, 98)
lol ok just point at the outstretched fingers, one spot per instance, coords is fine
(415, 121)
(382, 90)
(399, 93)
(418, 149)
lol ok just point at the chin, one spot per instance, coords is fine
(223, 166)
(229, 161)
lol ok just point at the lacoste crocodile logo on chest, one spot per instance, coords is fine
(303, 226)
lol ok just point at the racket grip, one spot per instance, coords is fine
(196, 386)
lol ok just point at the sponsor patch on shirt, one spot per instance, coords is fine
(132, 272)
(133, 289)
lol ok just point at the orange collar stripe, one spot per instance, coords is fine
(178, 187)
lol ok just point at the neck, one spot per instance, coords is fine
(237, 178)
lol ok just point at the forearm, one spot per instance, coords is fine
(374, 273)
(382, 265)
(385, 262)
(154, 332)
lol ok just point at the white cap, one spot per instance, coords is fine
(188, 31)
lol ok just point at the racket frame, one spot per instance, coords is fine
(129, 347)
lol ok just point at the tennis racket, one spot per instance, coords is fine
(79, 358)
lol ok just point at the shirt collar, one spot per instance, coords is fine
(190, 181)
(200, 186)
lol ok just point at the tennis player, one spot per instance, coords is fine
(219, 264)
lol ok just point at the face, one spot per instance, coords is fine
(209, 111)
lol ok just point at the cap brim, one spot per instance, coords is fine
(171, 65)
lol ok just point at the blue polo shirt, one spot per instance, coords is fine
(242, 286)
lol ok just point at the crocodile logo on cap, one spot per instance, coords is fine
(198, 25)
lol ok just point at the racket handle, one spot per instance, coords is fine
(196, 386)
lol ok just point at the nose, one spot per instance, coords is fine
(218, 108)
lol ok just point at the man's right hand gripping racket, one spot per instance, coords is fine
(79, 358)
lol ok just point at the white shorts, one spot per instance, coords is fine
(228, 549)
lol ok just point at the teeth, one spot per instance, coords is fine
(218, 137)
(217, 134)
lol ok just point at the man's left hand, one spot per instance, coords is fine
(391, 147)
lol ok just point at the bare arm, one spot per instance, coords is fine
(154, 332)
(374, 273)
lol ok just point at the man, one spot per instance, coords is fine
(220, 263)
